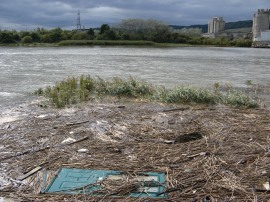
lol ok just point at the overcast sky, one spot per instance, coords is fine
(30, 14)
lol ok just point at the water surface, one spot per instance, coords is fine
(25, 69)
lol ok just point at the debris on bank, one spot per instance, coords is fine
(147, 150)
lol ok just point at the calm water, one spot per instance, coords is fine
(25, 69)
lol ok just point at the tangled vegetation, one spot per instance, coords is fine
(85, 88)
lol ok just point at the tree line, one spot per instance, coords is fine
(130, 29)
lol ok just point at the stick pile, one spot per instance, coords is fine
(225, 158)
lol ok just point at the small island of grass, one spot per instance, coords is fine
(85, 88)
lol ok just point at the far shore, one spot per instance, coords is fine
(107, 43)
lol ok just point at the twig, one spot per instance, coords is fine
(170, 190)
(176, 109)
(76, 123)
(79, 140)
(42, 149)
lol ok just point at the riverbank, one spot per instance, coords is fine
(261, 44)
(115, 43)
(100, 43)
(206, 152)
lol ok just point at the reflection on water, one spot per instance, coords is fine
(25, 69)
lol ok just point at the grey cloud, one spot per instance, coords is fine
(28, 14)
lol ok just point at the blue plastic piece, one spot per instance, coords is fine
(78, 181)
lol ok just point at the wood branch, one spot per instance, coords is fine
(79, 140)
(42, 149)
(32, 172)
(76, 123)
(176, 109)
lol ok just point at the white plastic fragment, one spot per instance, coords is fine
(264, 172)
(68, 141)
(83, 150)
(169, 141)
(42, 116)
(266, 186)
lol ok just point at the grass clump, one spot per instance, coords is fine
(238, 99)
(75, 90)
(186, 94)
(130, 88)
(64, 93)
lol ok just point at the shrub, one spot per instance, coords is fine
(27, 39)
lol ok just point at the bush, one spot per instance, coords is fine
(27, 39)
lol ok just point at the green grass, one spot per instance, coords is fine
(172, 45)
(104, 42)
(76, 90)
(118, 43)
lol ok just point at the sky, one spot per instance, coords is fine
(30, 14)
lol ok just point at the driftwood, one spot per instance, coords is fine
(76, 123)
(24, 153)
(32, 172)
(50, 161)
(223, 160)
(176, 109)
(42, 149)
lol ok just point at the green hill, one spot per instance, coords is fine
(228, 25)
(239, 30)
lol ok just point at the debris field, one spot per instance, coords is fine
(207, 153)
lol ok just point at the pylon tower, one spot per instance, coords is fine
(79, 21)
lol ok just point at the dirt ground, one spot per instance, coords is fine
(208, 153)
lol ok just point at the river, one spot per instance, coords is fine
(24, 69)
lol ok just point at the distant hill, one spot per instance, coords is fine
(203, 27)
(239, 30)
(228, 25)
(239, 24)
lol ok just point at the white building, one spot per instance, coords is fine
(265, 36)
(216, 25)
(261, 21)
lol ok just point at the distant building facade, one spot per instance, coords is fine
(215, 26)
(261, 25)
(261, 28)
(265, 35)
